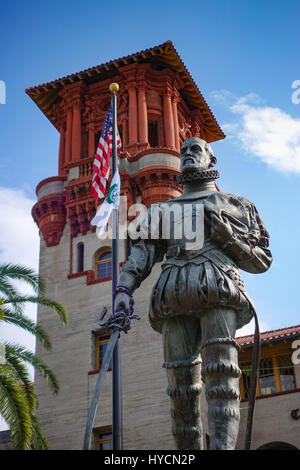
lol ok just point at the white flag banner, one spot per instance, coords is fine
(111, 202)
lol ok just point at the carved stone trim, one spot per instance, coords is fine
(187, 431)
(189, 390)
(228, 340)
(224, 412)
(221, 367)
(222, 391)
(182, 363)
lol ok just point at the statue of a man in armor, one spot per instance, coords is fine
(200, 300)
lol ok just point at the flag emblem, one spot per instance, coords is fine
(113, 194)
(110, 202)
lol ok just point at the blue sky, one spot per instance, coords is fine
(242, 55)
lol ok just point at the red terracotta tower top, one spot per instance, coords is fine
(159, 106)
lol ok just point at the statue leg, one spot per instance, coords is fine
(221, 374)
(182, 339)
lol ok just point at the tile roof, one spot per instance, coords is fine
(271, 335)
(45, 95)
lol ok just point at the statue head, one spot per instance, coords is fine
(196, 155)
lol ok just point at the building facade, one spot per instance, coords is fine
(277, 411)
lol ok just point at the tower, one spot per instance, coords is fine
(159, 106)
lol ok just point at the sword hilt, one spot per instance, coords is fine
(120, 321)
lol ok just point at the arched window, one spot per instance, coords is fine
(103, 264)
(80, 257)
(153, 133)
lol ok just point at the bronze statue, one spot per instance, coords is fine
(200, 300)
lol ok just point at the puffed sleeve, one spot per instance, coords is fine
(146, 251)
(248, 240)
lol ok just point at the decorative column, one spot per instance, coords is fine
(125, 134)
(76, 130)
(168, 120)
(61, 157)
(132, 112)
(68, 148)
(176, 100)
(91, 140)
(143, 118)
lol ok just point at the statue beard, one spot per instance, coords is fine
(189, 176)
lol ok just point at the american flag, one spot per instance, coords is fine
(101, 162)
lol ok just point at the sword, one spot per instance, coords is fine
(118, 321)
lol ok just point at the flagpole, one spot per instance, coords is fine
(116, 373)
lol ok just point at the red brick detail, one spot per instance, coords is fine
(80, 206)
(90, 276)
(96, 371)
(50, 216)
(157, 184)
(149, 151)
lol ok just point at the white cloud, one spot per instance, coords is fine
(19, 238)
(19, 244)
(267, 132)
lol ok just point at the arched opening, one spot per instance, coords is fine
(80, 257)
(153, 133)
(277, 446)
(103, 264)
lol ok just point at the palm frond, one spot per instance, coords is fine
(22, 374)
(38, 440)
(7, 288)
(31, 358)
(14, 408)
(56, 307)
(26, 324)
(18, 402)
(22, 273)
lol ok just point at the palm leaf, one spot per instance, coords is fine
(7, 288)
(22, 374)
(22, 273)
(38, 440)
(29, 357)
(14, 408)
(56, 307)
(8, 316)
(18, 402)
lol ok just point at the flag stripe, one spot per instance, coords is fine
(101, 161)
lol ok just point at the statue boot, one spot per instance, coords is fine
(183, 366)
(221, 374)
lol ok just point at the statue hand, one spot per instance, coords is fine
(123, 303)
(221, 230)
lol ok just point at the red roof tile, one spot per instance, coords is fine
(270, 335)
(46, 95)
